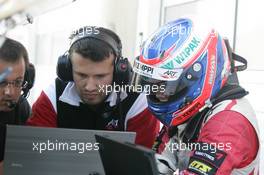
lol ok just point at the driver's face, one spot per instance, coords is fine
(161, 96)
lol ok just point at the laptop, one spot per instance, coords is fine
(55, 151)
(123, 158)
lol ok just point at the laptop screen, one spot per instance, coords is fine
(121, 158)
(39, 151)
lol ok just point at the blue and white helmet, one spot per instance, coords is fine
(186, 63)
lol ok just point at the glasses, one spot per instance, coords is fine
(18, 84)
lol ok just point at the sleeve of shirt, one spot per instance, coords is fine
(146, 126)
(235, 143)
(43, 113)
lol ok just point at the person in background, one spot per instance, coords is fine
(84, 94)
(14, 88)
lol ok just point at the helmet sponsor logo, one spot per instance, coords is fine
(144, 68)
(195, 108)
(212, 70)
(156, 72)
(190, 112)
(186, 52)
(172, 74)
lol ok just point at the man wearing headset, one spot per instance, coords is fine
(209, 126)
(79, 98)
(17, 79)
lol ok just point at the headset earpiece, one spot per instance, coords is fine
(64, 68)
(123, 71)
(29, 79)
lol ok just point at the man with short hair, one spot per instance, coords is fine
(80, 98)
(14, 108)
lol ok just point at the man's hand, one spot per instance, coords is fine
(165, 166)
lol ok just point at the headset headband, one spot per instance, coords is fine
(100, 36)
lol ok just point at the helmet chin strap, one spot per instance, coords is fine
(208, 104)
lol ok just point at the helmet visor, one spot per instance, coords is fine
(153, 87)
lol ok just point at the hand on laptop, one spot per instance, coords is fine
(165, 166)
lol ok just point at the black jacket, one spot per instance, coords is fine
(18, 116)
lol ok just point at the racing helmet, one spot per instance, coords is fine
(188, 64)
